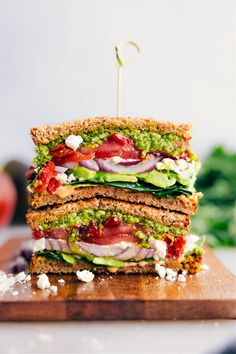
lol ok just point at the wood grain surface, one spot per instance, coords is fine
(211, 294)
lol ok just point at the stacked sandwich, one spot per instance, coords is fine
(113, 195)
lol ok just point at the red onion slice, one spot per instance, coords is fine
(144, 166)
(116, 251)
(57, 245)
(129, 163)
(129, 253)
(61, 169)
(101, 250)
(90, 164)
(70, 165)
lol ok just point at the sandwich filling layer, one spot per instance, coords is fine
(111, 238)
(144, 161)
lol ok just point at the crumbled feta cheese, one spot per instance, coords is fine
(43, 282)
(3, 275)
(71, 178)
(8, 280)
(74, 141)
(60, 169)
(160, 247)
(39, 245)
(171, 274)
(5, 283)
(61, 177)
(181, 278)
(28, 278)
(184, 272)
(20, 277)
(160, 270)
(61, 281)
(15, 293)
(185, 169)
(85, 275)
(191, 241)
(53, 289)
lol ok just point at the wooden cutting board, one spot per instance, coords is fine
(211, 294)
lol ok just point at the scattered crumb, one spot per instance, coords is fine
(15, 293)
(85, 275)
(61, 281)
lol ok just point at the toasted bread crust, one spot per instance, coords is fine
(47, 133)
(40, 264)
(184, 204)
(168, 218)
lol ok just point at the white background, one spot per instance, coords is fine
(57, 63)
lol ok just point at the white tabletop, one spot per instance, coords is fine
(172, 337)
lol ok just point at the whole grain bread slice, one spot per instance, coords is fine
(40, 264)
(183, 203)
(48, 133)
(168, 218)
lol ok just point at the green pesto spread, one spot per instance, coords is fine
(146, 141)
(90, 215)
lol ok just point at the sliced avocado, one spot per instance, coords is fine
(82, 172)
(68, 258)
(162, 180)
(109, 262)
(114, 177)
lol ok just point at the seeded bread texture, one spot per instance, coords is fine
(48, 133)
(168, 218)
(183, 203)
(41, 264)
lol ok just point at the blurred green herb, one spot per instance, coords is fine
(217, 210)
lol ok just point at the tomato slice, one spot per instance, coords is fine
(37, 233)
(112, 221)
(175, 248)
(110, 235)
(46, 174)
(120, 138)
(57, 148)
(118, 145)
(112, 148)
(57, 233)
(63, 154)
(53, 185)
(185, 155)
